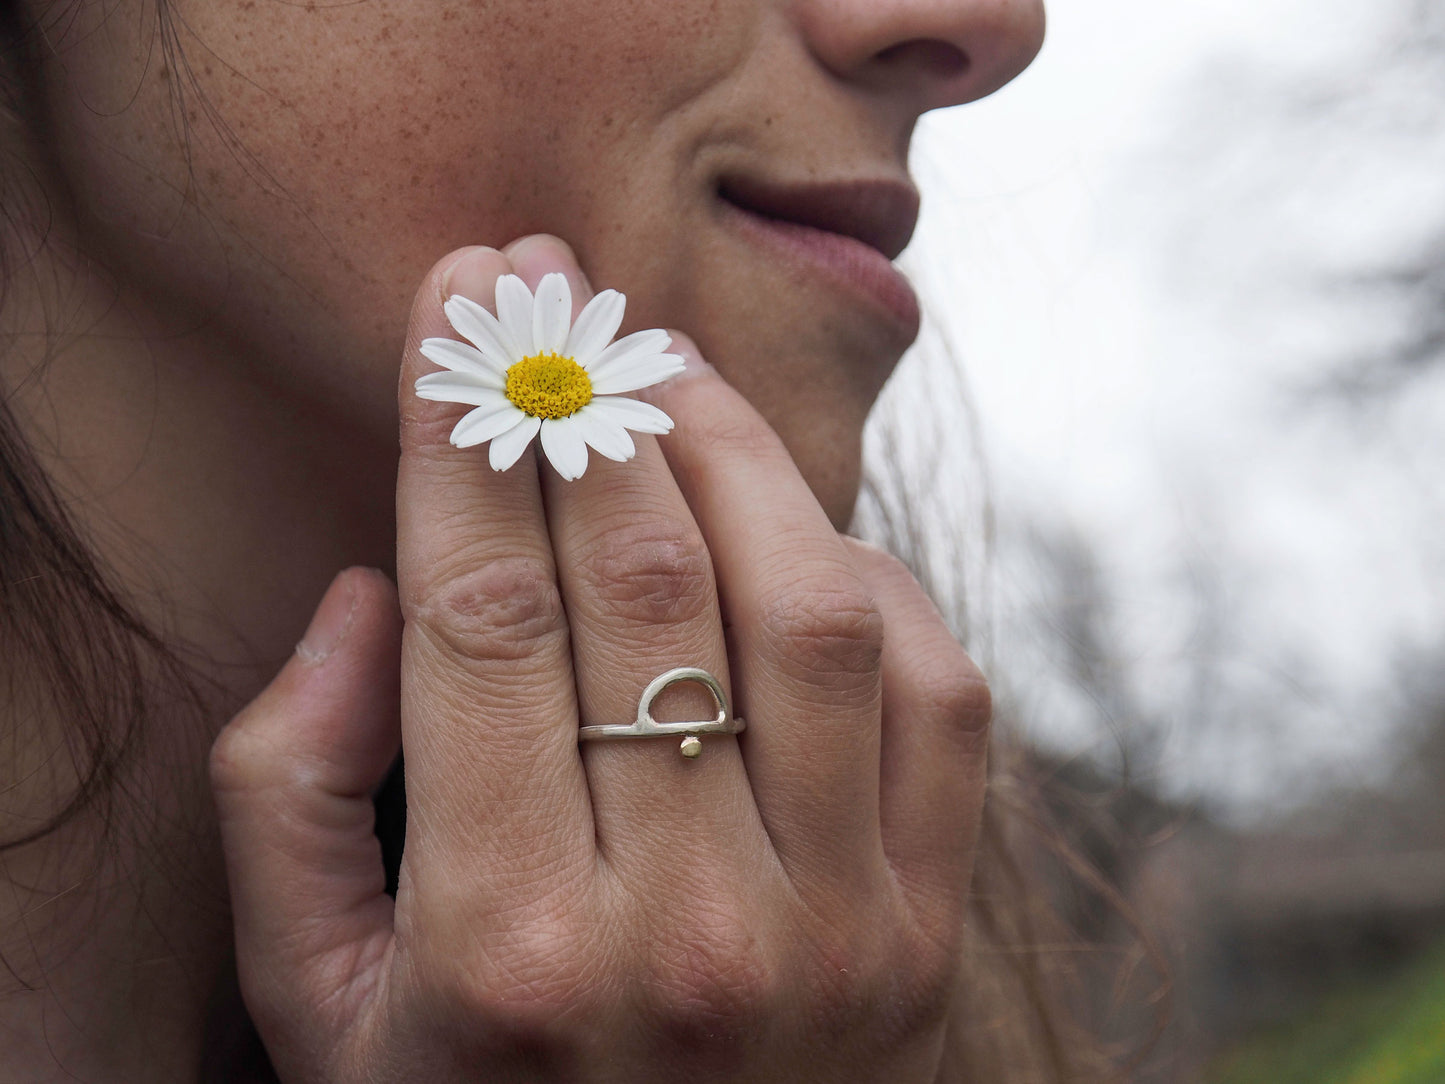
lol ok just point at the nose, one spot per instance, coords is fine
(934, 53)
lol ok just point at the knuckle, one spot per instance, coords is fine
(898, 989)
(824, 629)
(710, 987)
(920, 993)
(232, 758)
(955, 691)
(883, 1006)
(244, 759)
(652, 575)
(503, 611)
(840, 990)
(535, 983)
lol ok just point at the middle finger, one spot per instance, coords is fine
(637, 582)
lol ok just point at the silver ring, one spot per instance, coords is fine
(648, 727)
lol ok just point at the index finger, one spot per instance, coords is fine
(489, 714)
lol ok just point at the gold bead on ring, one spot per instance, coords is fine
(648, 727)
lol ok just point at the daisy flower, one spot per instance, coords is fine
(530, 370)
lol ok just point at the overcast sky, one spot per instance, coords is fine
(1152, 253)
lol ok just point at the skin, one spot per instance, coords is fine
(225, 422)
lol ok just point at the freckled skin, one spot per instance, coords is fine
(264, 186)
(246, 198)
(336, 151)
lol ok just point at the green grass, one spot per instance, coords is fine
(1387, 1032)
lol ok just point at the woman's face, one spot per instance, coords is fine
(334, 150)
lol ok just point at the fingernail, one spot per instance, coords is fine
(696, 366)
(474, 274)
(541, 252)
(330, 622)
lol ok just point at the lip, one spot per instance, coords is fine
(849, 231)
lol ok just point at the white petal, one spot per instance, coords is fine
(595, 326)
(638, 373)
(551, 314)
(484, 424)
(604, 434)
(565, 448)
(514, 313)
(639, 343)
(459, 357)
(507, 448)
(634, 414)
(461, 388)
(482, 328)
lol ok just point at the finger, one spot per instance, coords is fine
(293, 776)
(641, 599)
(936, 711)
(539, 254)
(494, 782)
(638, 588)
(804, 633)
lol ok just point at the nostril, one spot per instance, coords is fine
(939, 59)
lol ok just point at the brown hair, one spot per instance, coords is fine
(72, 647)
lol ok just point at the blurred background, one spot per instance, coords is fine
(1187, 275)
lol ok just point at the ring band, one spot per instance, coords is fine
(648, 727)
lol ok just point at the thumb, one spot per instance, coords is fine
(293, 776)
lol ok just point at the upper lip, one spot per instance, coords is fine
(880, 213)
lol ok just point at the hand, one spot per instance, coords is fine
(788, 907)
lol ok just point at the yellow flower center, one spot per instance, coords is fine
(548, 386)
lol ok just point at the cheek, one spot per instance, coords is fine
(331, 154)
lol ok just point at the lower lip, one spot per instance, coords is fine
(859, 268)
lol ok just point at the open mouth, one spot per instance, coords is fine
(880, 214)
